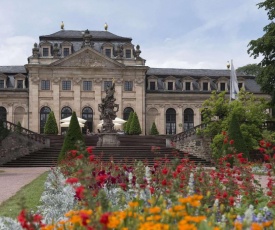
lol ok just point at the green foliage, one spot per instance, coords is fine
(51, 125)
(250, 69)
(154, 130)
(250, 112)
(128, 124)
(73, 135)
(264, 46)
(135, 125)
(18, 127)
(235, 134)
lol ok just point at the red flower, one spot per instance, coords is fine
(262, 150)
(79, 192)
(262, 143)
(152, 190)
(101, 178)
(89, 149)
(223, 133)
(266, 157)
(231, 142)
(225, 141)
(91, 158)
(74, 152)
(123, 186)
(267, 144)
(165, 171)
(231, 201)
(72, 180)
(164, 182)
(104, 219)
(85, 217)
(80, 156)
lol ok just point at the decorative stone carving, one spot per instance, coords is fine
(139, 81)
(35, 79)
(118, 81)
(35, 51)
(98, 81)
(137, 51)
(119, 51)
(77, 80)
(87, 39)
(55, 50)
(85, 59)
(56, 80)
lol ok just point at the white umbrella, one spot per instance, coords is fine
(67, 124)
(117, 120)
(68, 119)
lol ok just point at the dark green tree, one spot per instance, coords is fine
(154, 130)
(264, 46)
(19, 127)
(250, 69)
(73, 135)
(135, 125)
(235, 135)
(128, 124)
(51, 125)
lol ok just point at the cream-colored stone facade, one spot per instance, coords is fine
(69, 70)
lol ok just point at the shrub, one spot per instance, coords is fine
(73, 135)
(154, 130)
(51, 125)
(18, 127)
(128, 124)
(135, 125)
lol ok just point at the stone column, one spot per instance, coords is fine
(179, 118)
(97, 101)
(10, 112)
(162, 121)
(34, 103)
(56, 101)
(118, 96)
(77, 102)
(140, 105)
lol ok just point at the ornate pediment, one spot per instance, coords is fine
(87, 57)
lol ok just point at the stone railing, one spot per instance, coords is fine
(25, 132)
(187, 133)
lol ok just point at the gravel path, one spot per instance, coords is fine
(13, 179)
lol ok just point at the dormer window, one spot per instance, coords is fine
(240, 85)
(170, 85)
(188, 85)
(108, 52)
(222, 86)
(20, 84)
(152, 85)
(128, 53)
(205, 86)
(2, 84)
(66, 52)
(45, 52)
(3, 79)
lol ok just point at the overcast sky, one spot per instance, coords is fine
(171, 33)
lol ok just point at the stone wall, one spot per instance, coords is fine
(16, 145)
(196, 145)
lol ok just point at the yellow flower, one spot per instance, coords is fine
(154, 210)
(133, 204)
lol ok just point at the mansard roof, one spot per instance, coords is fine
(212, 73)
(13, 69)
(77, 35)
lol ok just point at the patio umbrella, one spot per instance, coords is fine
(68, 119)
(67, 124)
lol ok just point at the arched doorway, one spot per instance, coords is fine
(170, 121)
(3, 113)
(65, 112)
(150, 119)
(87, 114)
(44, 113)
(126, 113)
(19, 114)
(188, 120)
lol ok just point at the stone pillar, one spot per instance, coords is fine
(140, 105)
(97, 101)
(10, 112)
(56, 101)
(118, 96)
(162, 121)
(34, 103)
(77, 101)
(197, 116)
(179, 118)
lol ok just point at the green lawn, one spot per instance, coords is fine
(28, 197)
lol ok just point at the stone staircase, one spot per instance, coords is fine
(132, 148)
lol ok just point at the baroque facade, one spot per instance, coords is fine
(70, 71)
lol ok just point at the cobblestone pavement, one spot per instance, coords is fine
(13, 179)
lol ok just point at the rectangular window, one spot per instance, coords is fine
(128, 53)
(107, 84)
(2, 84)
(170, 85)
(45, 84)
(108, 52)
(128, 86)
(240, 85)
(19, 84)
(187, 85)
(66, 52)
(222, 86)
(45, 52)
(205, 86)
(87, 85)
(66, 85)
(152, 85)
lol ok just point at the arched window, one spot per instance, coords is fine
(65, 112)
(170, 121)
(126, 113)
(87, 114)
(3, 113)
(188, 121)
(44, 113)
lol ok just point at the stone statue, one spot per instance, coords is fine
(108, 110)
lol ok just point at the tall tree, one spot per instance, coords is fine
(51, 125)
(135, 125)
(265, 47)
(250, 69)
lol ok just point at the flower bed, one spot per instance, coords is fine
(85, 193)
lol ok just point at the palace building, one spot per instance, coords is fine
(70, 70)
